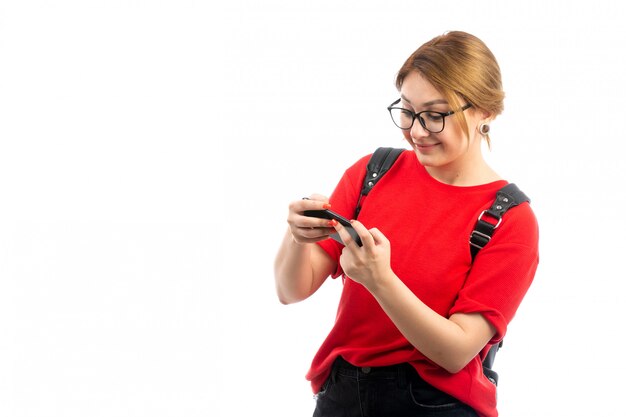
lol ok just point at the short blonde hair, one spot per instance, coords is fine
(461, 67)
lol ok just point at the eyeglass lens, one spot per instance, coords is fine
(431, 121)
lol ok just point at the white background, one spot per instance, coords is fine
(149, 149)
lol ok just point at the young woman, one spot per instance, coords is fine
(416, 314)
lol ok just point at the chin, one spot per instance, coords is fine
(426, 160)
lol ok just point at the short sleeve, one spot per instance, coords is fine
(502, 271)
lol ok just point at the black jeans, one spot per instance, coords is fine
(390, 391)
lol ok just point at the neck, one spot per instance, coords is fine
(469, 171)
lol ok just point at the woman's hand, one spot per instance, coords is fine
(370, 264)
(300, 267)
(306, 229)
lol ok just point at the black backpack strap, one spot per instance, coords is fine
(507, 197)
(491, 357)
(382, 159)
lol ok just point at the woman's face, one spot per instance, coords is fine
(448, 149)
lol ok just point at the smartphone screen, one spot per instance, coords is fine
(327, 214)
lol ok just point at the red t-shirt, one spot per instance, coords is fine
(428, 224)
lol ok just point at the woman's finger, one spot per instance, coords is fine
(378, 236)
(364, 234)
(345, 236)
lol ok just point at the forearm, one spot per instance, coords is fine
(293, 272)
(440, 339)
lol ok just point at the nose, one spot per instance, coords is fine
(417, 130)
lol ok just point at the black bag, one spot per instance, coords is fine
(507, 197)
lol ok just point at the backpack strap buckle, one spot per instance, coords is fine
(507, 197)
(481, 235)
(498, 218)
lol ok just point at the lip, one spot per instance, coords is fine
(426, 146)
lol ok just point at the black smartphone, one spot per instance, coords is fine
(327, 214)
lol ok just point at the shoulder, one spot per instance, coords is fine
(362, 161)
(520, 226)
(356, 172)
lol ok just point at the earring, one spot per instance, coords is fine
(483, 129)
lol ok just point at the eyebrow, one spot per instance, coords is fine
(428, 103)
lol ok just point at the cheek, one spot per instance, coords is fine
(454, 138)
(407, 135)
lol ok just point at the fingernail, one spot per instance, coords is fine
(332, 223)
(326, 206)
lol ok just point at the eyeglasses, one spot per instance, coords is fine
(432, 121)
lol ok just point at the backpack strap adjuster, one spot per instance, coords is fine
(481, 235)
(507, 197)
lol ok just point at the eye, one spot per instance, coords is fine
(433, 117)
(406, 113)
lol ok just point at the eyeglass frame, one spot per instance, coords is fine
(419, 117)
